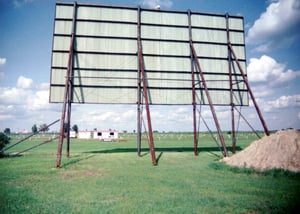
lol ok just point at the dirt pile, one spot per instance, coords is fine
(280, 150)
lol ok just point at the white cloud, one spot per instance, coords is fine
(44, 86)
(279, 25)
(262, 90)
(180, 114)
(285, 102)
(14, 96)
(24, 82)
(39, 101)
(102, 117)
(2, 61)
(280, 104)
(26, 94)
(153, 3)
(25, 105)
(266, 69)
(105, 117)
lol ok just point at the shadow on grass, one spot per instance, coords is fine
(158, 157)
(160, 149)
(75, 159)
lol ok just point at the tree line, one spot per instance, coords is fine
(43, 128)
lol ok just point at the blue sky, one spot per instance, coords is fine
(272, 45)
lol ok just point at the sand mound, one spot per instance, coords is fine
(280, 150)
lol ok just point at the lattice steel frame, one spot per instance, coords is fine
(198, 83)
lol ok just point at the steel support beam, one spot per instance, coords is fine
(139, 112)
(233, 138)
(212, 109)
(145, 93)
(20, 141)
(67, 95)
(250, 91)
(193, 89)
(254, 131)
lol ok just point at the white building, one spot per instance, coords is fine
(106, 135)
(84, 134)
(72, 134)
(103, 135)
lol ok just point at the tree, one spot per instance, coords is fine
(34, 129)
(44, 128)
(7, 131)
(75, 128)
(3, 141)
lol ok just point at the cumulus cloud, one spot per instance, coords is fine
(262, 90)
(114, 117)
(2, 61)
(13, 96)
(39, 101)
(26, 104)
(153, 3)
(181, 114)
(24, 95)
(266, 69)
(279, 25)
(286, 101)
(24, 82)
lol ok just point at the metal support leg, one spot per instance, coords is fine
(67, 97)
(225, 153)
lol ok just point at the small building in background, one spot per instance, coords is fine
(85, 134)
(106, 135)
(73, 134)
(102, 135)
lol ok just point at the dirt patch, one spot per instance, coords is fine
(277, 151)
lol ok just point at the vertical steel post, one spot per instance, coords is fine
(67, 102)
(193, 88)
(139, 123)
(250, 91)
(145, 93)
(233, 149)
(212, 109)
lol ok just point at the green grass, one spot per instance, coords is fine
(103, 177)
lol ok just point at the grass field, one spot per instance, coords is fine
(109, 177)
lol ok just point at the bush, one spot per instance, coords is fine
(3, 141)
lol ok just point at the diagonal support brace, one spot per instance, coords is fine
(225, 152)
